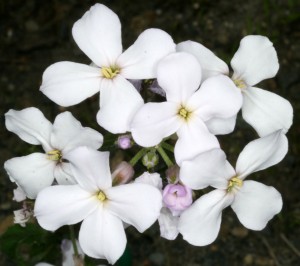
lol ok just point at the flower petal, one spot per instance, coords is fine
(63, 174)
(153, 122)
(255, 204)
(140, 60)
(168, 224)
(102, 236)
(255, 60)
(32, 173)
(200, 223)
(261, 154)
(193, 138)
(68, 133)
(63, 205)
(98, 35)
(179, 74)
(68, 83)
(90, 168)
(207, 169)
(266, 111)
(30, 125)
(119, 101)
(217, 97)
(211, 65)
(221, 126)
(136, 204)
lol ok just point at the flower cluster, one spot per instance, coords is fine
(71, 181)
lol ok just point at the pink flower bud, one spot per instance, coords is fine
(124, 142)
(177, 198)
(122, 174)
(172, 174)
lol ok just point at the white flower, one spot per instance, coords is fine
(187, 109)
(254, 61)
(98, 35)
(101, 207)
(254, 203)
(36, 171)
(19, 194)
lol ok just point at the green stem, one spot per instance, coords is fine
(165, 157)
(167, 146)
(73, 239)
(138, 156)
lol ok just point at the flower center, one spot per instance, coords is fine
(240, 83)
(184, 113)
(234, 183)
(110, 72)
(54, 155)
(101, 196)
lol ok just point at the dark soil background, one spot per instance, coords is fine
(35, 34)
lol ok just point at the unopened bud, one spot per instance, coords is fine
(172, 174)
(122, 174)
(124, 142)
(150, 159)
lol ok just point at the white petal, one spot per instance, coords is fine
(102, 236)
(63, 205)
(221, 126)
(168, 224)
(152, 179)
(255, 60)
(211, 65)
(153, 122)
(179, 74)
(32, 173)
(63, 174)
(207, 169)
(193, 138)
(135, 204)
(119, 101)
(68, 133)
(30, 125)
(90, 168)
(98, 35)
(140, 60)
(68, 83)
(255, 204)
(217, 97)
(266, 111)
(261, 154)
(200, 223)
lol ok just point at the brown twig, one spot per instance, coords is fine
(270, 250)
(291, 246)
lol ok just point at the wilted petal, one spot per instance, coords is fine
(179, 74)
(262, 153)
(153, 122)
(140, 60)
(60, 205)
(217, 97)
(98, 35)
(168, 224)
(119, 101)
(266, 111)
(211, 65)
(30, 125)
(102, 236)
(67, 83)
(136, 204)
(221, 126)
(193, 138)
(63, 174)
(255, 60)
(255, 204)
(200, 224)
(68, 133)
(32, 173)
(207, 169)
(90, 168)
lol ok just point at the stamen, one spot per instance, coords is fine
(184, 113)
(110, 72)
(101, 196)
(54, 155)
(239, 83)
(233, 183)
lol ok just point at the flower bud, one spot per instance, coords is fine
(172, 174)
(150, 159)
(19, 194)
(124, 142)
(177, 198)
(122, 174)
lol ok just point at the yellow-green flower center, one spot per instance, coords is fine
(101, 196)
(233, 183)
(240, 83)
(184, 113)
(110, 72)
(54, 155)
